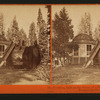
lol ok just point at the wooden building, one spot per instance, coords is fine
(85, 45)
(94, 56)
(3, 45)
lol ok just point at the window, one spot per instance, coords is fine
(88, 49)
(76, 52)
(1, 50)
(23, 43)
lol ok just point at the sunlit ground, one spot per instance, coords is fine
(9, 76)
(75, 74)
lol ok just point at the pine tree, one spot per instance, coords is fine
(32, 34)
(13, 31)
(42, 36)
(15, 25)
(22, 34)
(48, 18)
(2, 25)
(63, 33)
(48, 25)
(40, 18)
(9, 34)
(85, 26)
(97, 32)
(44, 69)
(23, 38)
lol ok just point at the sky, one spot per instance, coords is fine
(75, 12)
(25, 15)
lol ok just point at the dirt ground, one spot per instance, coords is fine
(76, 75)
(10, 76)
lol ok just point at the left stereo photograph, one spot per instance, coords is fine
(25, 44)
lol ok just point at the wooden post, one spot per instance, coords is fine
(72, 57)
(85, 59)
(78, 56)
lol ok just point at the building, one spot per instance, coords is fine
(94, 56)
(3, 45)
(85, 45)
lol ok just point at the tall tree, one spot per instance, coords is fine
(40, 22)
(32, 34)
(9, 34)
(40, 18)
(42, 36)
(13, 31)
(63, 32)
(15, 25)
(23, 38)
(44, 69)
(48, 18)
(85, 26)
(48, 25)
(22, 34)
(97, 32)
(2, 24)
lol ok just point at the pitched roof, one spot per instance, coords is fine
(3, 40)
(83, 38)
(92, 55)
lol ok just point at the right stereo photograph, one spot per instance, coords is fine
(75, 44)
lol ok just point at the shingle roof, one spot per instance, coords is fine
(3, 40)
(83, 38)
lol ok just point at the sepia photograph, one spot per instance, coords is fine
(25, 44)
(76, 44)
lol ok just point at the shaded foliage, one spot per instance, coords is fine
(85, 26)
(32, 34)
(42, 36)
(63, 32)
(2, 32)
(13, 31)
(97, 32)
(72, 46)
(23, 38)
(14, 34)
